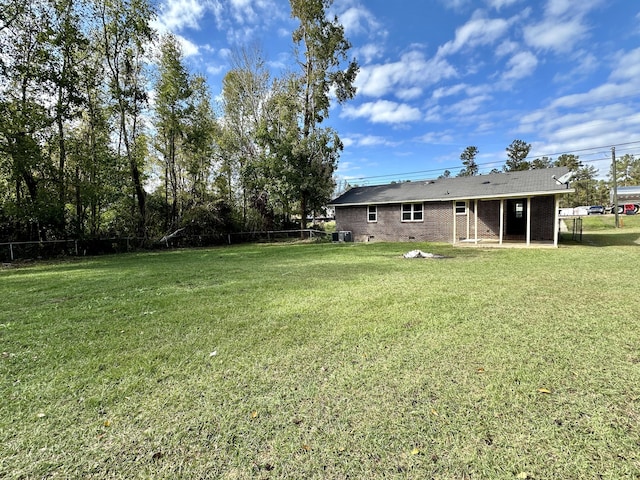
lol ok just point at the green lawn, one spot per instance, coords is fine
(326, 361)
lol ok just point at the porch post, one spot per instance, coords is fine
(475, 227)
(528, 221)
(455, 233)
(501, 219)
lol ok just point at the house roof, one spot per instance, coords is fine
(495, 185)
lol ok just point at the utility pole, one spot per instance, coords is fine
(615, 185)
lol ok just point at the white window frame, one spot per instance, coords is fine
(372, 209)
(413, 211)
(466, 207)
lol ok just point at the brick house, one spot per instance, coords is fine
(503, 207)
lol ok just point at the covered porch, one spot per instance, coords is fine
(523, 221)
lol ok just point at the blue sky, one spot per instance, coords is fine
(439, 75)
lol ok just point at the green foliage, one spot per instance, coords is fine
(628, 170)
(468, 158)
(517, 152)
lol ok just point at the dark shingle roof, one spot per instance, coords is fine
(498, 185)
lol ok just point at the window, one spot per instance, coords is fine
(519, 209)
(461, 208)
(372, 213)
(411, 212)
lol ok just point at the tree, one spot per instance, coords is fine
(569, 160)
(245, 91)
(542, 162)
(26, 121)
(516, 156)
(202, 133)
(173, 91)
(445, 174)
(125, 31)
(69, 50)
(587, 189)
(321, 51)
(628, 170)
(468, 158)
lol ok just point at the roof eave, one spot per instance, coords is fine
(460, 198)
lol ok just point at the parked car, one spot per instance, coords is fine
(595, 210)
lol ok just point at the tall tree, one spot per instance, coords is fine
(125, 31)
(468, 158)
(26, 121)
(569, 160)
(321, 51)
(628, 170)
(173, 92)
(245, 91)
(69, 51)
(541, 162)
(517, 153)
(201, 140)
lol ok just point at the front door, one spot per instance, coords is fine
(517, 216)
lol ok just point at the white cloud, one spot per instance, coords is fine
(178, 14)
(448, 91)
(468, 105)
(520, 65)
(476, 32)
(506, 48)
(367, 53)
(358, 20)
(382, 111)
(553, 34)
(627, 65)
(563, 25)
(498, 4)
(436, 137)
(412, 71)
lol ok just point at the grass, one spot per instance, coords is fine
(326, 361)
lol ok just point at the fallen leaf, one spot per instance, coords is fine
(523, 475)
(480, 370)
(543, 390)
(433, 412)
(41, 415)
(415, 451)
(254, 414)
(157, 456)
(214, 353)
(306, 447)
(107, 423)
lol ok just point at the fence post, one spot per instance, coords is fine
(11, 249)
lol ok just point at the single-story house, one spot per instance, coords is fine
(502, 207)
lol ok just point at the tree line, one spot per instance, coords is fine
(588, 189)
(106, 133)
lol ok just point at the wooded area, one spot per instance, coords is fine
(106, 133)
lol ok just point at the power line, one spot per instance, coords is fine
(420, 173)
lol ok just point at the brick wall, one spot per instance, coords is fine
(437, 223)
